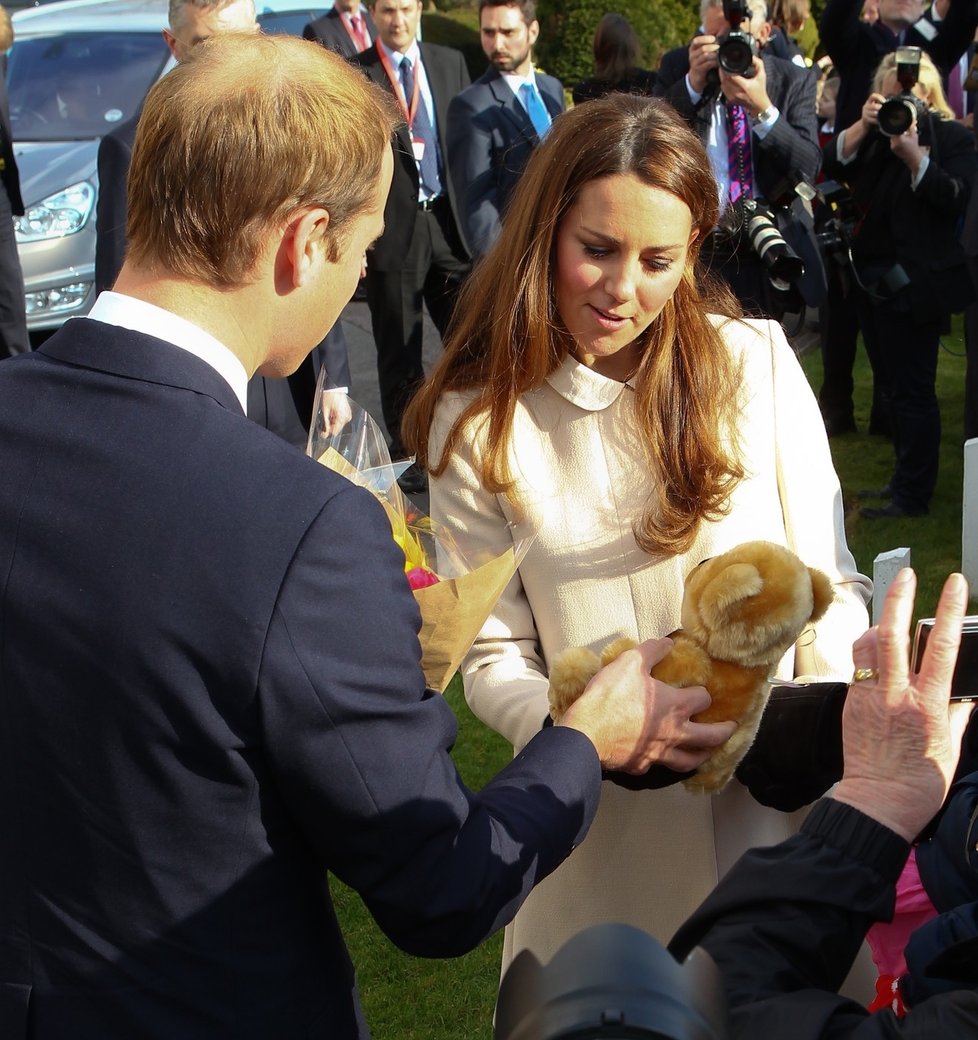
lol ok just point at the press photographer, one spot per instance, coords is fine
(755, 113)
(910, 189)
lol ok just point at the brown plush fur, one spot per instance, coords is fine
(741, 613)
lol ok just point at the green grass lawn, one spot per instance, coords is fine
(410, 999)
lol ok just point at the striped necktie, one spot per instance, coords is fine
(738, 153)
(422, 129)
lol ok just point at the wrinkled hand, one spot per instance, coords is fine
(901, 737)
(751, 92)
(636, 722)
(336, 411)
(702, 58)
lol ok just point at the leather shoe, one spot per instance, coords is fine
(892, 511)
(413, 481)
(883, 492)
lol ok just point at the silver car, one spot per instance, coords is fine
(77, 69)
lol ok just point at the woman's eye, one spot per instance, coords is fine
(596, 251)
(658, 263)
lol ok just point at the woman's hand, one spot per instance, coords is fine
(871, 111)
(635, 721)
(906, 146)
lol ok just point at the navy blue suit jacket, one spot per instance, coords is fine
(210, 696)
(490, 138)
(330, 31)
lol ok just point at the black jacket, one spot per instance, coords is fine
(784, 927)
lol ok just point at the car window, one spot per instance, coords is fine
(289, 23)
(80, 85)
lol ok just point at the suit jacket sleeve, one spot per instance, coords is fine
(954, 34)
(114, 155)
(361, 751)
(839, 31)
(469, 147)
(791, 145)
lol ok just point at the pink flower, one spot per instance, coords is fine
(421, 578)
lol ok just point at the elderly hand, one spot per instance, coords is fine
(906, 146)
(635, 721)
(901, 737)
(749, 91)
(702, 58)
(336, 411)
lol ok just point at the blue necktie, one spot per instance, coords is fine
(423, 131)
(535, 108)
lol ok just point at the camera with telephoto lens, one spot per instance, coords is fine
(783, 264)
(612, 982)
(836, 219)
(899, 113)
(737, 48)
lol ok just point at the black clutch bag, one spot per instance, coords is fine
(797, 753)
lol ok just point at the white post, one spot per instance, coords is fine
(969, 516)
(885, 568)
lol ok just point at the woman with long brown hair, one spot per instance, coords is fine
(595, 395)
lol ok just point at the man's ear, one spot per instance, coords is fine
(171, 42)
(307, 245)
(533, 31)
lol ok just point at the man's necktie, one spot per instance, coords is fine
(535, 108)
(738, 152)
(422, 130)
(360, 35)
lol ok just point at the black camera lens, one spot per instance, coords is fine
(735, 54)
(896, 116)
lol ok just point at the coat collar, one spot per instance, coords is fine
(584, 387)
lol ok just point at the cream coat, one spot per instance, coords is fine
(650, 856)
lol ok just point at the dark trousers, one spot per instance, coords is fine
(432, 272)
(13, 317)
(904, 351)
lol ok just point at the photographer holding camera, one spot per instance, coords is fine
(910, 168)
(755, 114)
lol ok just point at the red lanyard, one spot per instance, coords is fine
(409, 113)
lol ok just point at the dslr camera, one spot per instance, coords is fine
(737, 48)
(899, 113)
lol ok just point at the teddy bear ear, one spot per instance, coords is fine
(823, 594)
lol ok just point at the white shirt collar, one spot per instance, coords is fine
(127, 312)
(413, 52)
(515, 81)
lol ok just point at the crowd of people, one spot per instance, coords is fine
(210, 677)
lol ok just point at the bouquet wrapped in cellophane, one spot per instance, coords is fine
(456, 586)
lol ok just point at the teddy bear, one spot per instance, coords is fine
(741, 612)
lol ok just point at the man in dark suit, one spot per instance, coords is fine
(776, 106)
(421, 255)
(210, 680)
(492, 124)
(345, 28)
(282, 406)
(13, 313)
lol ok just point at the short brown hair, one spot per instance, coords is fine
(246, 131)
(527, 8)
(507, 335)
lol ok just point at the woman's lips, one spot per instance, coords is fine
(609, 321)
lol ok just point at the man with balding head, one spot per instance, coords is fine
(210, 675)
